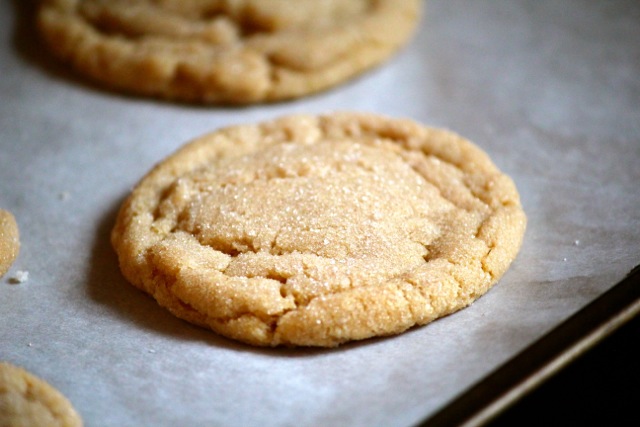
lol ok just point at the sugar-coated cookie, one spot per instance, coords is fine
(9, 241)
(26, 400)
(225, 51)
(317, 230)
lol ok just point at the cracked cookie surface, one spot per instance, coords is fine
(9, 241)
(26, 400)
(225, 51)
(317, 230)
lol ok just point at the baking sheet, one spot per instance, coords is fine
(549, 89)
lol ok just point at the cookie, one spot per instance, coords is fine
(317, 230)
(26, 400)
(9, 241)
(225, 51)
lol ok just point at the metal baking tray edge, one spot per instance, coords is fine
(542, 359)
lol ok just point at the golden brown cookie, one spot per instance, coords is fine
(9, 241)
(26, 401)
(313, 231)
(225, 51)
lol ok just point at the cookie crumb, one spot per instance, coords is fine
(20, 277)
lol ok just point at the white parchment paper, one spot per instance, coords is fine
(551, 90)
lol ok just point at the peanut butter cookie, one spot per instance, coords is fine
(317, 230)
(225, 51)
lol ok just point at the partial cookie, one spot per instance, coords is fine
(26, 400)
(313, 231)
(226, 51)
(9, 241)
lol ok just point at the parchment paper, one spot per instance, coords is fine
(550, 89)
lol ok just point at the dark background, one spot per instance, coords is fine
(601, 387)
